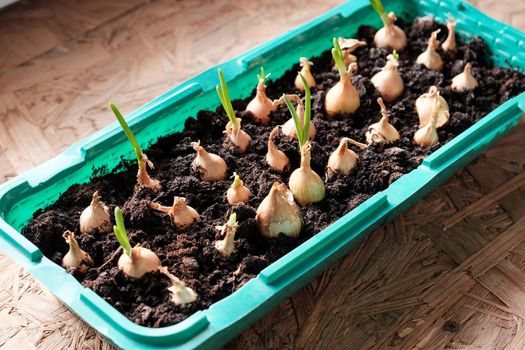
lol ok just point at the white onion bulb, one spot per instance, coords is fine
(95, 217)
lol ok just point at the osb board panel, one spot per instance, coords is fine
(409, 285)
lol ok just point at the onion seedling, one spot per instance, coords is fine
(210, 166)
(180, 294)
(342, 98)
(143, 162)
(390, 37)
(382, 131)
(182, 214)
(425, 106)
(450, 43)
(227, 246)
(137, 261)
(261, 105)
(233, 129)
(75, 259)
(306, 73)
(348, 46)
(237, 193)
(388, 81)
(288, 128)
(343, 159)
(464, 80)
(430, 58)
(306, 186)
(278, 213)
(276, 158)
(95, 217)
(427, 135)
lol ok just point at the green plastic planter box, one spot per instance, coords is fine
(213, 327)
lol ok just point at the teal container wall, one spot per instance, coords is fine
(165, 115)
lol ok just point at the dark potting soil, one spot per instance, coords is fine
(190, 253)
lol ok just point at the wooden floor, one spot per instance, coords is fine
(410, 285)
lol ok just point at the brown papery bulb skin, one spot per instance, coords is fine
(141, 261)
(276, 158)
(388, 81)
(279, 214)
(210, 166)
(238, 136)
(182, 214)
(306, 186)
(425, 104)
(288, 128)
(238, 193)
(348, 46)
(261, 106)
(306, 73)
(343, 98)
(143, 178)
(450, 43)
(342, 160)
(95, 217)
(391, 37)
(75, 259)
(430, 58)
(464, 80)
(382, 131)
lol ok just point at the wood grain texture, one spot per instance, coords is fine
(409, 285)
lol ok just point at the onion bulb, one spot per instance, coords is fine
(237, 193)
(288, 128)
(261, 105)
(278, 213)
(180, 294)
(276, 158)
(427, 135)
(140, 261)
(382, 131)
(210, 166)
(143, 178)
(450, 43)
(430, 58)
(75, 259)
(465, 80)
(342, 98)
(237, 136)
(388, 81)
(343, 160)
(182, 214)
(227, 246)
(390, 37)
(95, 217)
(307, 74)
(306, 186)
(425, 104)
(348, 46)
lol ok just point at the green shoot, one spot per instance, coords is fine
(236, 180)
(121, 233)
(395, 54)
(337, 54)
(222, 91)
(128, 132)
(378, 6)
(263, 77)
(233, 220)
(302, 128)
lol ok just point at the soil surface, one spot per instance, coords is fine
(190, 253)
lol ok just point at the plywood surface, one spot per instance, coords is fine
(409, 285)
